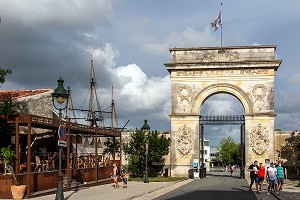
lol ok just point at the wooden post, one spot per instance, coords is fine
(68, 157)
(96, 157)
(28, 154)
(17, 148)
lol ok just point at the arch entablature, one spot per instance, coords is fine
(222, 88)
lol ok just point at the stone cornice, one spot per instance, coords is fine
(223, 47)
(270, 64)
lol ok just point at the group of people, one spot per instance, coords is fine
(274, 175)
(116, 174)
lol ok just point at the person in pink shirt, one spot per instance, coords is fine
(115, 175)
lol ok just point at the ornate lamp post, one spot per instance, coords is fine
(60, 95)
(146, 130)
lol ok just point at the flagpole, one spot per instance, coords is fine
(221, 27)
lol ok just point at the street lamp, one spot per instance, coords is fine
(146, 130)
(59, 95)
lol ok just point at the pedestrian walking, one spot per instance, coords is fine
(272, 177)
(231, 169)
(261, 176)
(280, 176)
(115, 175)
(125, 177)
(253, 168)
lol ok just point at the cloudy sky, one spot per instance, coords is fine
(129, 41)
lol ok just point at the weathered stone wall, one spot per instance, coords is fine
(40, 104)
(197, 73)
(280, 137)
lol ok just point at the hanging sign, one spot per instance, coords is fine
(62, 132)
(62, 136)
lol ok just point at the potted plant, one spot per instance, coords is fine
(17, 190)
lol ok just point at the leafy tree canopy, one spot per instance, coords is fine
(229, 152)
(291, 150)
(112, 145)
(135, 150)
(3, 73)
(6, 130)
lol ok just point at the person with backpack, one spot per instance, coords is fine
(115, 175)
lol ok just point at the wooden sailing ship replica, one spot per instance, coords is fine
(39, 170)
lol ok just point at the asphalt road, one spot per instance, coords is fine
(212, 188)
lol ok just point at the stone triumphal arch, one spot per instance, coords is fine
(246, 72)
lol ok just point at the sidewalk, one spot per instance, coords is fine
(289, 192)
(135, 190)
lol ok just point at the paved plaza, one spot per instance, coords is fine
(215, 186)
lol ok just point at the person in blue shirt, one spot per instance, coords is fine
(280, 176)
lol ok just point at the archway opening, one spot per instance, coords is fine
(222, 126)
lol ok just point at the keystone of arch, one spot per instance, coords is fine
(222, 88)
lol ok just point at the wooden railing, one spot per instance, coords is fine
(44, 122)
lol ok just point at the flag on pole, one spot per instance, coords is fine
(218, 22)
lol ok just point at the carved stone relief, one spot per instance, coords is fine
(222, 72)
(184, 140)
(259, 92)
(208, 57)
(224, 56)
(184, 97)
(259, 140)
(271, 99)
(232, 56)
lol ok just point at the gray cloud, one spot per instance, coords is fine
(43, 40)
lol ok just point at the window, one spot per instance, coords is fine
(206, 143)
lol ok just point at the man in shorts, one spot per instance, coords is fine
(253, 168)
(261, 176)
(280, 176)
(272, 175)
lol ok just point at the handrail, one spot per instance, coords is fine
(44, 122)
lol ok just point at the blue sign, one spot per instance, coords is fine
(62, 132)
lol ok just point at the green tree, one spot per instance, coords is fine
(6, 130)
(217, 160)
(3, 73)
(291, 150)
(112, 145)
(158, 147)
(135, 151)
(229, 151)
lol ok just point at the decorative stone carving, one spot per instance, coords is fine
(232, 56)
(222, 72)
(259, 91)
(271, 99)
(184, 140)
(259, 141)
(208, 57)
(224, 56)
(253, 71)
(185, 93)
(184, 96)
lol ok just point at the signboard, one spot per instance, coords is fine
(62, 132)
(61, 143)
(62, 136)
(196, 168)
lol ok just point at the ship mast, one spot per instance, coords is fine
(92, 100)
(92, 117)
(112, 108)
